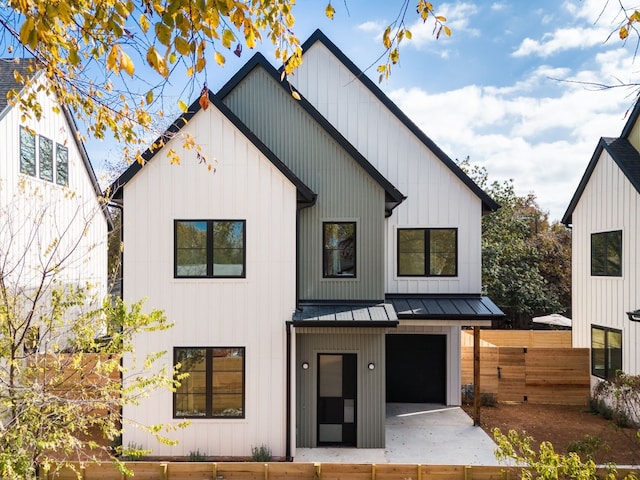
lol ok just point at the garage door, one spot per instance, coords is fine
(416, 368)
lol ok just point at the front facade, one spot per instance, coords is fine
(604, 215)
(50, 209)
(361, 264)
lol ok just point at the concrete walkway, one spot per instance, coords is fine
(417, 433)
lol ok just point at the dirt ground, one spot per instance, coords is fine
(562, 425)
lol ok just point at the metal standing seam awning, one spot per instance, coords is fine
(345, 314)
(465, 310)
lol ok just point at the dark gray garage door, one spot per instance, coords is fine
(416, 368)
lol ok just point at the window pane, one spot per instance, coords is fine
(442, 252)
(228, 249)
(411, 252)
(46, 159)
(62, 165)
(614, 254)
(191, 251)
(27, 152)
(614, 353)
(190, 396)
(339, 249)
(228, 382)
(597, 352)
(191, 405)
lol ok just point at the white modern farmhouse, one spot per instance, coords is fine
(604, 215)
(322, 268)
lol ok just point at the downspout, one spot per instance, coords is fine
(288, 456)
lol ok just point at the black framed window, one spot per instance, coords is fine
(210, 248)
(339, 249)
(46, 158)
(214, 386)
(606, 254)
(427, 252)
(27, 152)
(62, 165)
(606, 352)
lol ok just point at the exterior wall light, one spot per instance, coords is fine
(634, 316)
(305, 365)
(372, 366)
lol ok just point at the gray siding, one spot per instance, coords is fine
(369, 345)
(345, 191)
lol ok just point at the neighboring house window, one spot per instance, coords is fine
(606, 254)
(339, 249)
(210, 248)
(27, 152)
(427, 252)
(43, 161)
(214, 386)
(606, 352)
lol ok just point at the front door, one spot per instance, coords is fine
(337, 399)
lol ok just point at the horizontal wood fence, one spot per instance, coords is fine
(298, 471)
(547, 373)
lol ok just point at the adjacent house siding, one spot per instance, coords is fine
(609, 202)
(369, 345)
(243, 312)
(436, 196)
(346, 192)
(71, 216)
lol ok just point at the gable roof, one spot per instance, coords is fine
(623, 154)
(9, 83)
(393, 196)
(305, 195)
(488, 204)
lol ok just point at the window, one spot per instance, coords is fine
(209, 248)
(214, 387)
(339, 249)
(606, 254)
(40, 162)
(606, 352)
(427, 252)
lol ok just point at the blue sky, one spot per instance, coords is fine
(493, 90)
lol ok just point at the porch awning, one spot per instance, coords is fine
(466, 309)
(345, 315)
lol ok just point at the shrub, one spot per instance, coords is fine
(588, 446)
(261, 454)
(196, 456)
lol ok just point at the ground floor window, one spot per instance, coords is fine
(214, 387)
(606, 351)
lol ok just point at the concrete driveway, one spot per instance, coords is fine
(417, 433)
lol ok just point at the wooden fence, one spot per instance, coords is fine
(540, 370)
(297, 471)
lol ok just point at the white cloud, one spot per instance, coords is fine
(561, 40)
(372, 27)
(459, 16)
(496, 7)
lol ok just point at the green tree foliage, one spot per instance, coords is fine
(526, 260)
(62, 345)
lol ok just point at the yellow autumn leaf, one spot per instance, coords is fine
(295, 95)
(163, 33)
(447, 30)
(126, 63)
(407, 33)
(183, 106)
(219, 58)
(227, 38)
(144, 23)
(329, 11)
(112, 58)
(183, 46)
(440, 18)
(386, 39)
(624, 33)
(149, 97)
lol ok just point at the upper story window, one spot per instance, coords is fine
(606, 254)
(210, 248)
(214, 387)
(606, 352)
(427, 252)
(339, 249)
(41, 158)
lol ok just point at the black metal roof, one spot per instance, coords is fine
(623, 153)
(488, 204)
(444, 307)
(393, 196)
(345, 314)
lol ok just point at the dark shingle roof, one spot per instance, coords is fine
(7, 79)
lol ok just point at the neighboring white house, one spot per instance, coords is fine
(324, 268)
(50, 208)
(604, 215)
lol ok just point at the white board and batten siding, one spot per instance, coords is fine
(436, 197)
(609, 202)
(70, 215)
(245, 312)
